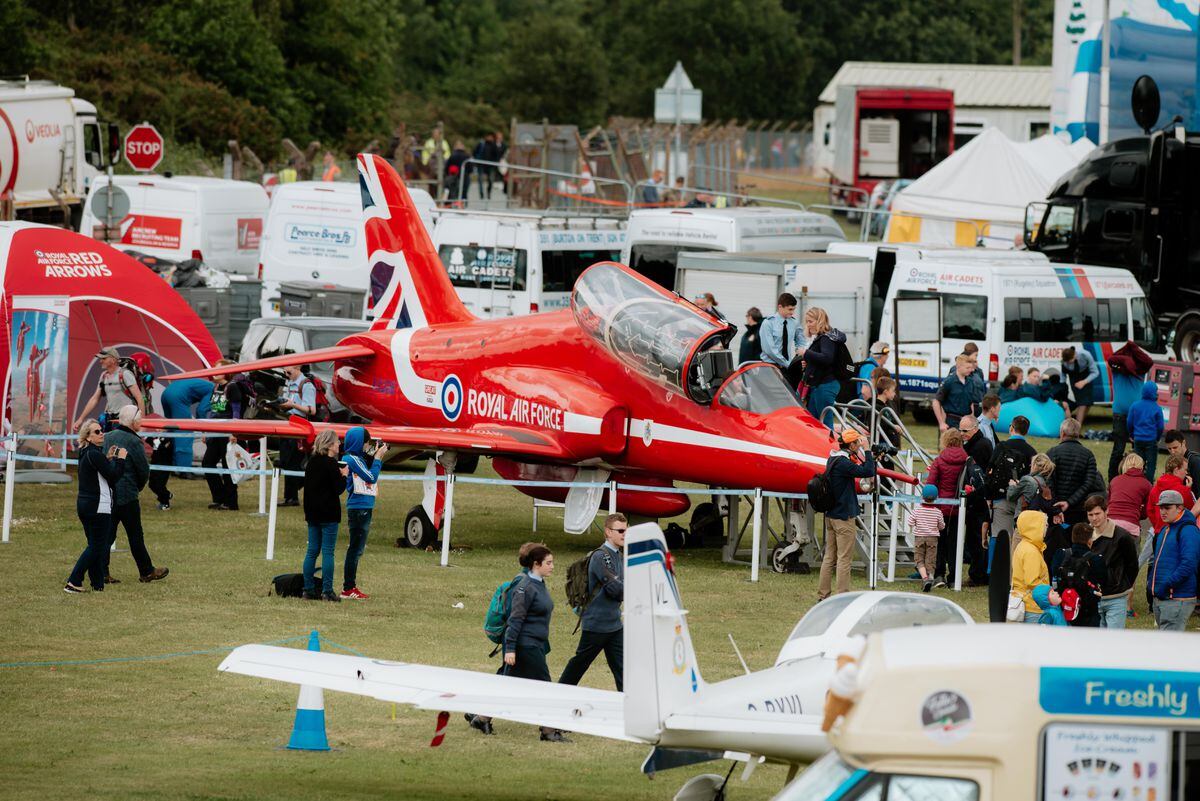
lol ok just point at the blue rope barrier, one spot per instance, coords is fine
(21, 457)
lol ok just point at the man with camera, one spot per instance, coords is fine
(845, 465)
(300, 400)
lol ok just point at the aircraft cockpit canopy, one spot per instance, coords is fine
(653, 331)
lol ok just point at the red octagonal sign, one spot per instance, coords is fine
(143, 147)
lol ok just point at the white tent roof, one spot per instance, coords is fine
(990, 178)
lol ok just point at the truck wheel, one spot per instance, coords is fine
(1187, 340)
(467, 463)
(418, 530)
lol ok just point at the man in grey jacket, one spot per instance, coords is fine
(601, 621)
(126, 508)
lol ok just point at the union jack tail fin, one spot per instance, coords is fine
(409, 286)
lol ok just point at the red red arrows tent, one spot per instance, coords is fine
(115, 302)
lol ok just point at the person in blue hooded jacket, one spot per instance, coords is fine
(1145, 424)
(1172, 577)
(1050, 601)
(362, 487)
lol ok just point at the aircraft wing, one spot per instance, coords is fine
(579, 709)
(335, 353)
(486, 440)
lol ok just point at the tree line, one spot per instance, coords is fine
(348, 71)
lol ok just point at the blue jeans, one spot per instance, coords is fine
(96, 528)
(1032, 617)
(1149, 453)
(1173, 615)
(822, 397)
(321, 539)
(358, 521)
(1112, 612)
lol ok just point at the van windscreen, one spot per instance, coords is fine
(561, 268)
(477, 267)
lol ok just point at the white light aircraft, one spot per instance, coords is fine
(769, 715)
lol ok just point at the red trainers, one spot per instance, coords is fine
(354, 594)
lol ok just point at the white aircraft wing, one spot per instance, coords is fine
(577, 709)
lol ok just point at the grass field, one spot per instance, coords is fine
(174, 728)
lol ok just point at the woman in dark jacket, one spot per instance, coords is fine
(98, 472)
(527, 635)
(324, 481)
(750, 349)
(820, 360)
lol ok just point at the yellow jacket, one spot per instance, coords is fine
(1029, 568)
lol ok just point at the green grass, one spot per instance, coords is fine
(176, 729)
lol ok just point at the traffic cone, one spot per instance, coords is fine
(308, 732)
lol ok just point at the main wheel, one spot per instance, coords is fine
(1187, 340)
(466, 463)
(706, 526)
(418, 530)
(779, 561)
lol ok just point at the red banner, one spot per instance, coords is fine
(142, 230)
(249, 233)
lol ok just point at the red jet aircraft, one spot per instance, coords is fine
(632, 383)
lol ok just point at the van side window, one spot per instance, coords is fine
(963, 316)
(560, 268)
(477, 267)
(1065, 320)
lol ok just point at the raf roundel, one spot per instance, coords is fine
(451, 397)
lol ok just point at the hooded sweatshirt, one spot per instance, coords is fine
(944, 474)
(1176, 554)
(1051, 615)
(1129, 365)
(1127, 494)
(1167, 481)
(362, 483)
(821, 356)
(1028, 567)
(1145, 419)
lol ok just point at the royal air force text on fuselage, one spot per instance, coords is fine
(496, 406)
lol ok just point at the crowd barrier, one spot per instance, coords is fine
(270, 499)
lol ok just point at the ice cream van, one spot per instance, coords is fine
(1019, 310)
(1013, 713)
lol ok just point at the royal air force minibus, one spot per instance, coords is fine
(1014, 713)
(1019, 308)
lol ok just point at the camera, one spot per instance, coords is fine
(883, 449)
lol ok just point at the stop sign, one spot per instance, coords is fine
(143, 147)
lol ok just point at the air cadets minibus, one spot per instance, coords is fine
(1016, 306)
(1015, 713)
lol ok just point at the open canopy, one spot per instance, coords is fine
(113, 302)
(655, 332)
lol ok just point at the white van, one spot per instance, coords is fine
(315, 233)
(509, 263)
(182, 217)
(1017, 309)
(658, 236)
(1012, 713)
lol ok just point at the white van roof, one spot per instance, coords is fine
(422, 199)
(1006, 645)
(543, 218)
(186, 183)
(946, 253)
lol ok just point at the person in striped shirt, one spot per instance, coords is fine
(926, 522)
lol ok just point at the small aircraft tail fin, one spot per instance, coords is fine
(409, 287)
(661, 673)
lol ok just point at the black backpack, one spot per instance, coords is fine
(851, 389)
(843, 363)
(291, 585)
(1007, 464)
(1074, 574)
(974, 482)
(820, 493)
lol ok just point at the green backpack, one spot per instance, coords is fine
(496, 620)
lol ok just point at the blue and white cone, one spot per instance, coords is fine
(308, 733)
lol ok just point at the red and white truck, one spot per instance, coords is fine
(51, 146)
(887, 132)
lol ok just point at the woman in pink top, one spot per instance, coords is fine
(1127, 494)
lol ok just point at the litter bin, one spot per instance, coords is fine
(212, 307)
(318, 299)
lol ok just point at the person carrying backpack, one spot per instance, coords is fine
(827, 363)
(118, 386)
(1009, 464)
(225, 403)
(527, 634)
(1117, 547)
(300, 400)
(600, 620)
(1079, 573)
(848, 463)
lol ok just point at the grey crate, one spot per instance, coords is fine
(317, 299)
(212, 307)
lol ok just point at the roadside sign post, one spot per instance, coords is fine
(144, 147)
(677, 102)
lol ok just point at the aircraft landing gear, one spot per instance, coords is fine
(785, 558)
(419, 531)
(705, 787)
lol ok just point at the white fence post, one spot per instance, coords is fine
(754, 558)
(958, 547)
(447, 518)
(273, 515)
(262, 476)
(10, 480)
(893, 530)
(612, 497)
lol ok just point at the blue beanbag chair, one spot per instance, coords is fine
(1045, 417)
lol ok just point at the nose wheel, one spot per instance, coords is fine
(419, 531)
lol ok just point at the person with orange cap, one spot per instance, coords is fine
(849, 462)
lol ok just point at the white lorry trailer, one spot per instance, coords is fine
(51, 147)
